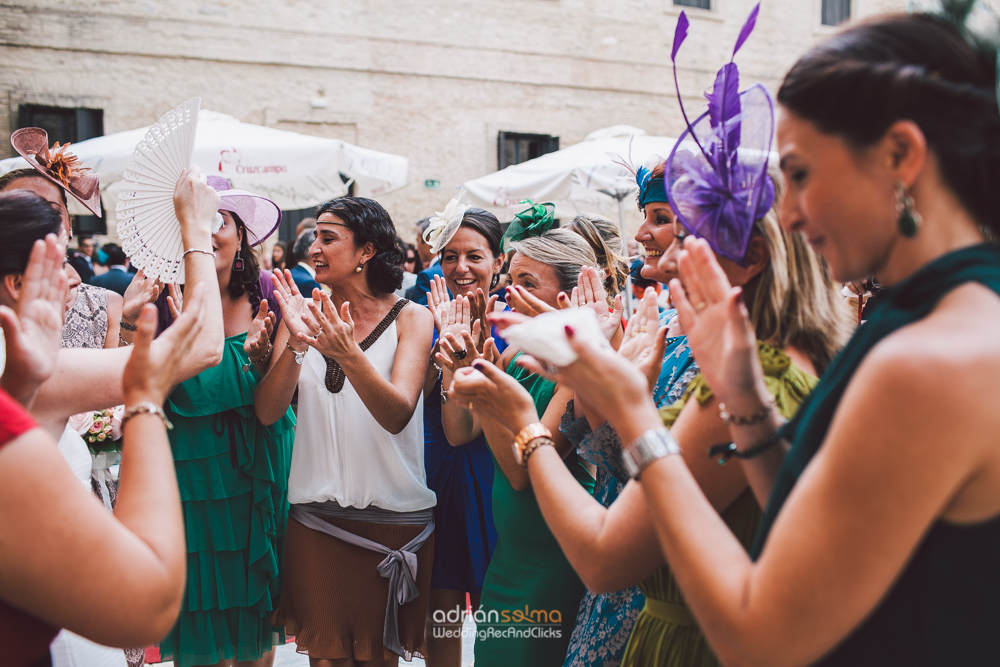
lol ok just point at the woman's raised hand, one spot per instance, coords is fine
(332, 334)
(718, 328)
(142, 290)
(605, 380)
(195, 204)
(258, 341)
(488, 391)
(590, 293)
(526, 303)
(438, 301)
(175, 300)
(455, 354)
(33, 333)
(151, 371)
(482, 304)
(294, 309)
(645, 341)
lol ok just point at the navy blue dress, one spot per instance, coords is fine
(462, 478)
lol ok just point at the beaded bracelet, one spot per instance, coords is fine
(755, 418)
(146, 408)
(126, 326)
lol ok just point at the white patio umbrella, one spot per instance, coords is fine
(294, 170)
(582, 178)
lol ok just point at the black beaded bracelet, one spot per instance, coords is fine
(127, 327)
(725, 451)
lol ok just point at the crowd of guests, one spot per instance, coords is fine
(338, 442)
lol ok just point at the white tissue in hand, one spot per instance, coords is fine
(544, 336)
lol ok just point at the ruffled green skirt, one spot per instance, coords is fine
(233, 477)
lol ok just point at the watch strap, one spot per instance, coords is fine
(652, 445)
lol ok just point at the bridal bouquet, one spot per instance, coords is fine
(102, 430)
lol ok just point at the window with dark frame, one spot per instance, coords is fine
(835, 12)
(68, 125)
(518, 147)
(700, 4)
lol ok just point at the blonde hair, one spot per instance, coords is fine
(606, 242)
(794, 301)
(563, 250)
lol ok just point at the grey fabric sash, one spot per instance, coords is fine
(371, 514)
(398, 566)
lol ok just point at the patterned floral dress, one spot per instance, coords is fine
(604, 621)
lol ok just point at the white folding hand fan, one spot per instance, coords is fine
(147, 225)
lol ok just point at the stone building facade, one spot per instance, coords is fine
(434, 80)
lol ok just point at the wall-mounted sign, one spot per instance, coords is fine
(432, 184)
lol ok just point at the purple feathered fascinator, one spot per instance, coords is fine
(719, 184)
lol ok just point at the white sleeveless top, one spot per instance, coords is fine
(341, 453)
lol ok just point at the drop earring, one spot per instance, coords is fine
(909, 220)
(238, 263)
(357, 269)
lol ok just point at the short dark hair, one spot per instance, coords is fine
(300, 249)
(24, 218)
(27, 172)
(915, 67)
(485, 223)
(371, 223)
(116, 256)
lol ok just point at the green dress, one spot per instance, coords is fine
(666, 632)
(233, 477)
(530, 593)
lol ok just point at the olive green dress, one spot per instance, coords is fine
(666, 632)
(529, 581)
(233, 477)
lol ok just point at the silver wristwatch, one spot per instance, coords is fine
(652, 445)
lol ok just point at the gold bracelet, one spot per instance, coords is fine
(146, 408)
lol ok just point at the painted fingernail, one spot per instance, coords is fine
(478, 364)
(569, 331)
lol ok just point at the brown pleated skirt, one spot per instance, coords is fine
(334, 600)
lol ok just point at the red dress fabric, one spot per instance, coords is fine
(24, 640)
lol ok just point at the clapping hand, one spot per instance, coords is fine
(257, 344)
(488, 391)
(718, 327)
(175, 300)
(590, 293)
(438, 301)
(645, 341)
(294, 311)
(332, 333)
(482, 305)
(142, 290)
(524, 302)
(33, 333)
(152, 368)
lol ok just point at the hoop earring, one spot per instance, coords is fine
(238, 263)
(495, 281)
(909, 221)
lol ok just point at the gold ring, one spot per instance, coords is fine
(470, 406)
(701, 306)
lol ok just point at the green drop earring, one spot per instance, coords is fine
(909, 220)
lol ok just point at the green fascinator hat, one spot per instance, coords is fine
(533, 221)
